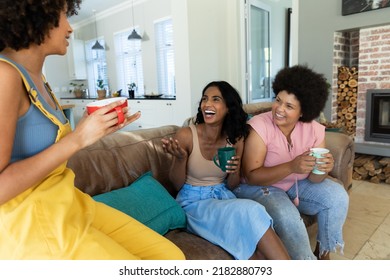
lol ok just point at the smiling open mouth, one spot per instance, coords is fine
(209, 113)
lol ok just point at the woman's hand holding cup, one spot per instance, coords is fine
(111, 105)
(115, 111)
(233, 165)
(103, 119)
(324, 160)
(227, 160)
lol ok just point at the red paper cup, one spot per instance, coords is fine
(93, 106)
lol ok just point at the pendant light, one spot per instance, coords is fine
(97, 45)
(134, 35)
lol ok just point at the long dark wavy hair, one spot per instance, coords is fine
(234, 124)
(25, 22)
(310, 88)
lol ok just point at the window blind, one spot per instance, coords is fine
(129, 62)
(96, 66)
(165, 57)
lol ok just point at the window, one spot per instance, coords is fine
(96, 66)
(129, 62)
(258, 52)
(165, 57)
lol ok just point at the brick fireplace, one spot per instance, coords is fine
(368, 49)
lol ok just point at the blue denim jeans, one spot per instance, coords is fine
(327, 200)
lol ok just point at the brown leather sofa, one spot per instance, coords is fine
(119, 159)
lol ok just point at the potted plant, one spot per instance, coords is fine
(131, 89)
(101, 90)
(77, 89)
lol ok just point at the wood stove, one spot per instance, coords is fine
(378, 116)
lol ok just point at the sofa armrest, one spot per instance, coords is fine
(342, 148)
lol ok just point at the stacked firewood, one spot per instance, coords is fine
(371, 168)
(347, 81)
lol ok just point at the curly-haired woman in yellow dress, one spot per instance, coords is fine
(42, 214)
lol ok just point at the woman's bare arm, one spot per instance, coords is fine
(180, 146)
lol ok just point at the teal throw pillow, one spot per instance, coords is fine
(147, 201)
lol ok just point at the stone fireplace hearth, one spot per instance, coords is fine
(367, 49)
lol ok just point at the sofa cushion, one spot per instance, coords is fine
(147, 201)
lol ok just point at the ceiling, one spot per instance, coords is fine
(100, 6)
(88, 6)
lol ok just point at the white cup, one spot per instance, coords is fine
(318, 153)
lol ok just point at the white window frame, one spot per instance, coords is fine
(165, 56)
(129, 62)
(96, 66)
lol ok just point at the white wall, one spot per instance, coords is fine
(213, 49)
(56, 72)
(182, 57)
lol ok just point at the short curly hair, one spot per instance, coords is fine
(310, 88)
(234, 125)
(25, 22)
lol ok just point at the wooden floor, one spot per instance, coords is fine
(367, 228)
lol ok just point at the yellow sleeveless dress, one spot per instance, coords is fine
(55, 220)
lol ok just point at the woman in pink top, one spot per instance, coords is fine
(278, 166)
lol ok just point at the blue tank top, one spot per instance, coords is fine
(34, 131)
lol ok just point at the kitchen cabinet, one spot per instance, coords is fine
(154, 113)
(79, 109)
(77, 67)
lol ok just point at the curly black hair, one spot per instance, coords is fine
(23, 22)
(309, 87)
(234, 125)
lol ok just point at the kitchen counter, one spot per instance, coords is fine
(67, 106)
(164, 97)
(78, 98)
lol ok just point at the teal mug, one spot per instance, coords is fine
(223, 156)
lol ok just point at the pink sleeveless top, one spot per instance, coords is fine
(200, 171)
(303, 137)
